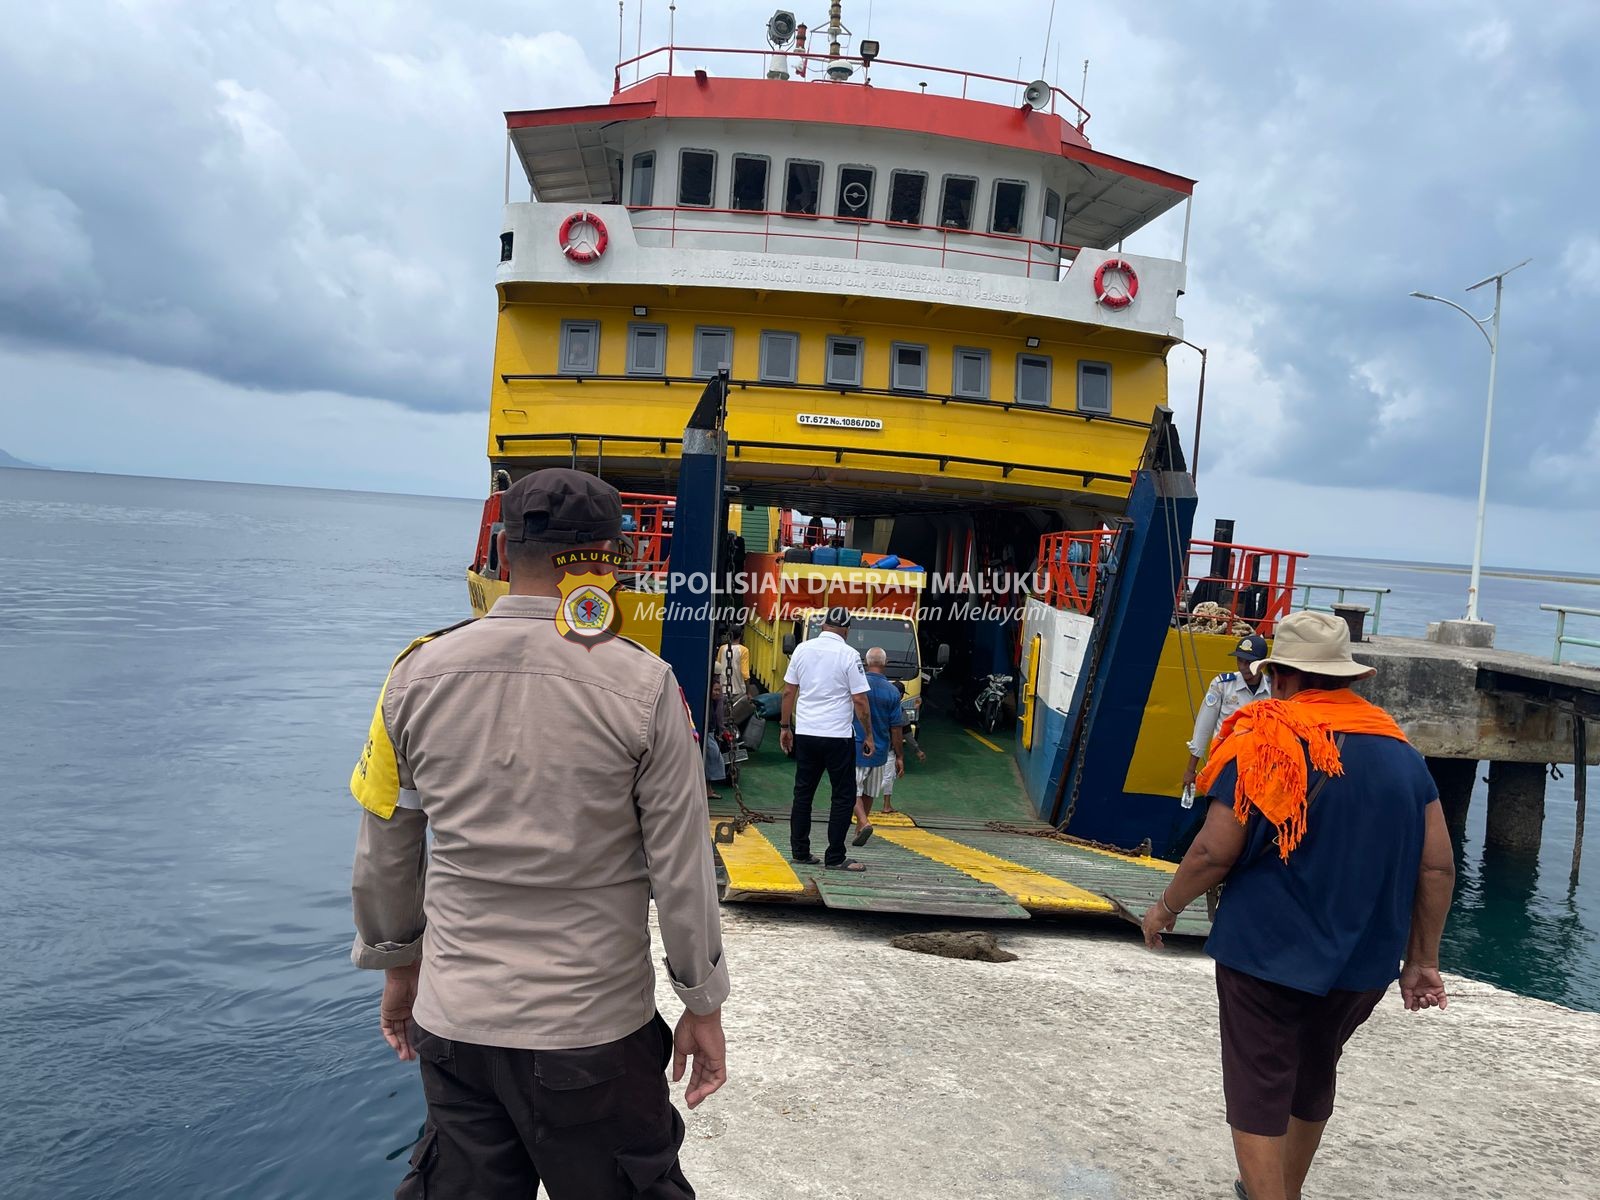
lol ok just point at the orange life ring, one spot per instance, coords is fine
(583, 253)
(1115, 297)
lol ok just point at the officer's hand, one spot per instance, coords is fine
(786, 741)
(868, 746)
(700, 1038)
(394, 1012)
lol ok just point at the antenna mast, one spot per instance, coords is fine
(1049, 28)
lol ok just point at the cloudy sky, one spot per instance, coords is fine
(256, 240)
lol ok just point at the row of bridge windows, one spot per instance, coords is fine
(845, 363)
(801, 192)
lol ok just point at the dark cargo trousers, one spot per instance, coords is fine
(814, 757)
(590, 1124)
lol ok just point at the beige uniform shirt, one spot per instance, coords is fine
(563, 788)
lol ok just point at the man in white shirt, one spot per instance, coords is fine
(824, 692)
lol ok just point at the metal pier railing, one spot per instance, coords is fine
(1563, 639)
(1341, 592)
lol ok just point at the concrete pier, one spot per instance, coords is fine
(1516, 806)
(1455, 778)
(1088, 1068)
(1462, 705)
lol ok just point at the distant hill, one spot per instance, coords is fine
(7, 461)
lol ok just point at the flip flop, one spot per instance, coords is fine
(1238, 1190)
(848, 864)
(810, 860)
(862, 835)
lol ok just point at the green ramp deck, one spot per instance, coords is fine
(965, 843)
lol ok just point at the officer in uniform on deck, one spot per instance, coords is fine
(1228, 693)
(560, 778)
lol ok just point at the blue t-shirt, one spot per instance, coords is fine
(1336, 915)
(883, 705)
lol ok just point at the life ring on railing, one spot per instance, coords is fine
(583, 249)
(1115, 297)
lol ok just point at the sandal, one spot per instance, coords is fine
(848, 864)
(810, 860)
(862, 835)
(1238, 1190)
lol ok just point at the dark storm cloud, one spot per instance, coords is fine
(290, 197)
(303, 197)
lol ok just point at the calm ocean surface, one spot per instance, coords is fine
(189, 669)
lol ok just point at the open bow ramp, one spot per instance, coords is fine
(965, 845)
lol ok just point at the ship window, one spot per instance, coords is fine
(713, 350)
(955, 208)
(844, 362)
(1050, 231)
(647, 349)
(971, 377)
(780, 354)
(697, 177)
(1009, 198)
(909, 369)
(580, 347)
(1094, 387)
(750, 182)
(855, 194)
(642, 187)
(1033, 380)
(906, 190)
(802, 188)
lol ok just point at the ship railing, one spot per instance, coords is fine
(646, 538)
(950, 245)
(792, 532)
(1563, 638)
(1234, 589)
(1072, 565)
(664, 61)
(1340, 595)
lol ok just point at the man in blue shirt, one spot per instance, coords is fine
(873, 769)
(1327, 828)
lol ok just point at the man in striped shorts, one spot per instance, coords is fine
(875, 772)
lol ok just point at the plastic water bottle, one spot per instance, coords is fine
(1188, 796)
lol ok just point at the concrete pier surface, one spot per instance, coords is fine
(1089, 1068)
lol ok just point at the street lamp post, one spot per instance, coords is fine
(1492, 336)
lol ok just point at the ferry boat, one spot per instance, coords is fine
(909, 299)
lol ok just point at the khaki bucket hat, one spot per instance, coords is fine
(1315, 642)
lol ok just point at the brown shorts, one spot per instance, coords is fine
(1281, 1048)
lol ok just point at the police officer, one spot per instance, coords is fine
(1228, 693)
(560, 778)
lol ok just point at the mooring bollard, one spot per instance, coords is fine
(1355, 616)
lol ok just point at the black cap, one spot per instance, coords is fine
(1251, 648)
(839, 618)
(557, 504)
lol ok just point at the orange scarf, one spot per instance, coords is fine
(1269, 740)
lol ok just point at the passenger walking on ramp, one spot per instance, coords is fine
(560, 778)
(824, 694)
(1327, 827)
(875, 774)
